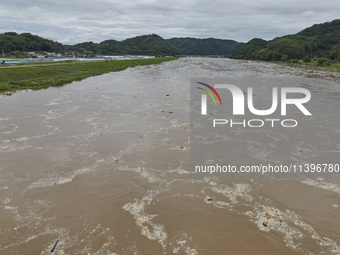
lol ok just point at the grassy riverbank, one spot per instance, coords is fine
(330, 68)
(44, 75)
(323, 62)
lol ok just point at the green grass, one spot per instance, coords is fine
(40, 76)
(328, 64)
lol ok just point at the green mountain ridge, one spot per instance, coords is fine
(208, 46)
(11, 41)
(317, 41)
(140, 45)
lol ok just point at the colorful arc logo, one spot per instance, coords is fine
(209, 93)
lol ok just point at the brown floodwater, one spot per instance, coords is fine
(102, 165)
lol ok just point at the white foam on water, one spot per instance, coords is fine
(56, 179)
(323, 185)
(149, 229)
(238, 190)
(181, 243)
(269, 218)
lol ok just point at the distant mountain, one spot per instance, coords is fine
(328, 32)
(209, 46)
(321, 40)
(250, 49)
(149, 44)
(12, 41)
(140, 45)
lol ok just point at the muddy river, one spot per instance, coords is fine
(103, 166)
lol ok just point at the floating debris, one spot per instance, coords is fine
(55, 245)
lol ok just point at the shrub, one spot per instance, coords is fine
(306, 59)
(284, 58)
(322, 61)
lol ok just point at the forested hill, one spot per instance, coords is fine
(12, 41)
(209, 46)
(139, 45)
(317, 41)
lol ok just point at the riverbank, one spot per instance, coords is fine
(309, 69)
(321, 63)
(44, 75)
(314, 70)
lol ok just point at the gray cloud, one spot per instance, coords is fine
(73, 21)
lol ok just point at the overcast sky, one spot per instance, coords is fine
(74, 21)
